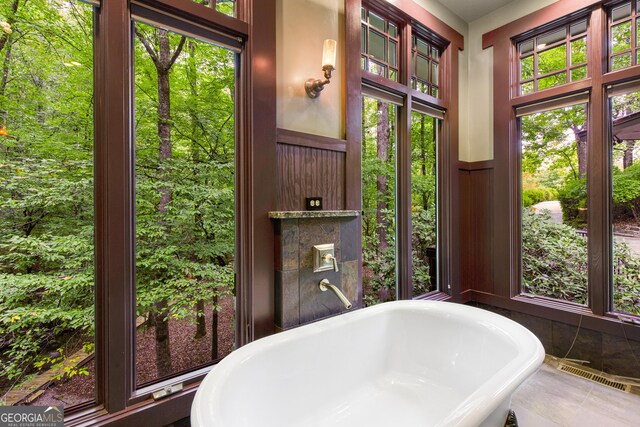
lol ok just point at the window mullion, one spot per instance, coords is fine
(598, 178)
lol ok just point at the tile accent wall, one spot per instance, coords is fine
(298, 298)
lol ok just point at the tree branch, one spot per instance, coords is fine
(147, 46)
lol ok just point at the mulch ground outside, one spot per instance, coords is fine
(627, 228)
(186, 353)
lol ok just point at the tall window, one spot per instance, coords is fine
(379, 167)
(46, 203)
(402, 117)
(625, 199)
(424, 203)
(554, 211)
(570, 206)
(185, 181)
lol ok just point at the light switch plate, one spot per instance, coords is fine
(319, 262)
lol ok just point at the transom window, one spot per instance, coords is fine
(380, 44)
(425, 66)
(623, 35)
(553, 58)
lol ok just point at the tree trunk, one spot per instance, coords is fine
(163, 348)
(627, 159)
(382, 132)
(201, 322)
(214, 329)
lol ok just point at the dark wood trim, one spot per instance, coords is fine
(543, 95)
(301, 139)
(428, 99)
(629, 73)
(259, 191)
(114, 171)
(383, 83)
(200, 14)
(537, 19)
(598, 174)
(475, 166)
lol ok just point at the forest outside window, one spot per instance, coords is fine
(47, 202)
(185, 203)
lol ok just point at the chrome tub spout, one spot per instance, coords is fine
(325, 285)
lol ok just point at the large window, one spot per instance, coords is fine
(185, 182)
(403, 169)
(124, 181)
(565, 162)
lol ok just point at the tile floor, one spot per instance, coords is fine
(552, 398)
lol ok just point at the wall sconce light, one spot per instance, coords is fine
(315, 86)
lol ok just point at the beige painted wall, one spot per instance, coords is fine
(478, 142)
(302, 26)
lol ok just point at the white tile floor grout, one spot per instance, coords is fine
(552, 398)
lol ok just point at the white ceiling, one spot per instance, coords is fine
(470, 10)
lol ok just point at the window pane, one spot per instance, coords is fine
(377, 22)
(621, 12)
(363, 39)
(553, 183)
(552, 37)
(526, 47)
(228, 7)
(393, 53)
(578, 28)
(620, 61)
(526, 68)
(185, 178)
(578, 74)
(422, 47)
(393, 30)
(378, 201)
(435, 54)
(393, 75)
(47, 204)
(552, 81)
(552, 60)
(424, 200)
(579, 51)
(434, 73)
(378, 69)
(422, 68)
(625, 152)
(526, 88)
(621, 37)
(377, 46)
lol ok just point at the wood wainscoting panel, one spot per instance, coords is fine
(309, 172)
(476, 200)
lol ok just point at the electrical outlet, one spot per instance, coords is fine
(314, 203)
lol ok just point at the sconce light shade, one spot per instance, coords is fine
(315, 86)
(329, 53)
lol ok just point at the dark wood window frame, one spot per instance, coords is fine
(537, 50)
(633, 18)
(389, 38)
(506, 239)
(410, 16)
(117, 400)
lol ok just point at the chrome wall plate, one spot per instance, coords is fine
(320, 260)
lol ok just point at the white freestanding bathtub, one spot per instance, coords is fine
(405, 363)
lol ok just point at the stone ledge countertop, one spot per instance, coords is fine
(311, 214)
